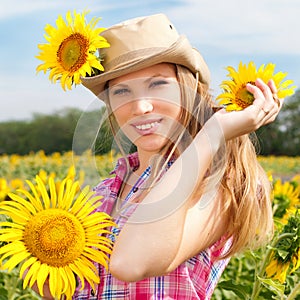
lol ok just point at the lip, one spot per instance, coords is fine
(146, 127)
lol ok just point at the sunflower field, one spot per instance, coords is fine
(271, 272)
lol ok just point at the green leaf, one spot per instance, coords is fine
(238, 289)
(3, 294)
(282, 253)
(278, 288)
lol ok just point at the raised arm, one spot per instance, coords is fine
(170, 225)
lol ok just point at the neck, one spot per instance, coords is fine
(145, 159)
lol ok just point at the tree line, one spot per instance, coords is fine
(73, 129)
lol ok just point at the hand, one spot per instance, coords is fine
(264, 110)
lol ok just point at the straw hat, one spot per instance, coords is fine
(142, 42)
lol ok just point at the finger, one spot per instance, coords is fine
(265, 89)
(272, 86)
(257, 94)
(265, 106)
(272, 103)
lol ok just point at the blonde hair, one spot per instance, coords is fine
(244, 188)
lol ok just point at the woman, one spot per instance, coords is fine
(193, 193)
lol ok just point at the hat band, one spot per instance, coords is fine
(132, 57)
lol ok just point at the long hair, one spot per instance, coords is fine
(244, 187)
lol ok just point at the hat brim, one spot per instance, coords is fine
(180, 53)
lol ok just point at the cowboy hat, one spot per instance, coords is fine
(142, 42)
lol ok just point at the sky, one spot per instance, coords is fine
(225, 32)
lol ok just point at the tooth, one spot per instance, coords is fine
(146, 126)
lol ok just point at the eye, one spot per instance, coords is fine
(120, 91)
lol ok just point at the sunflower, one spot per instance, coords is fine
(56, 235)
(285, 257)
(286, 197)
(277, 269)
(4, 189)
(70, 51)
(235, 96)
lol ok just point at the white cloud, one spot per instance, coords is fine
(260, 26)
(23, 96)
(231, 29)
(15, 8)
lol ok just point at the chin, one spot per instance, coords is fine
(151, 144)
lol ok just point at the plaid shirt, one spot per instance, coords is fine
(196, 278)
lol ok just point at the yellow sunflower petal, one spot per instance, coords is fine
(35, 202)
(61, 193)
(53, 195)
(79, 273)
(235, 95)
(15, 260)
(11, 235)
(78, 203)
(71, 49)
(94, 255)
(90, 276)
(26, 265)
(70, 193)
(44, 193)
(11, 249)
(27, 205)
(55, 237)
(41, 278)
(70, 279)
(12, 225)
(31, 271)
(34, 191)
(53, 282)
(15, 214)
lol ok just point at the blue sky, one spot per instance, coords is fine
(225, 32)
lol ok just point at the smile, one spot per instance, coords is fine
(146, 126)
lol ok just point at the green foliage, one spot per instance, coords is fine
(283, 136)
(244, 279)
(272, 271)
(54, 133)
(74, 129)
(11, 287)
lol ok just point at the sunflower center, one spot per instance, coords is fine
(243, 97)
(72, 52)
(55, 237)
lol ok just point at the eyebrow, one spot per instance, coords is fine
(121, 84)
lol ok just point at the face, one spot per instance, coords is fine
(146, 105)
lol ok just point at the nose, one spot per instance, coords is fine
(142, 106)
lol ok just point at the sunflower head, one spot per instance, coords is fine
(235, 95)
(285, 257)
(54, 234)
(286, 197)
(71, 49)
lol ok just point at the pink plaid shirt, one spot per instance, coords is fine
(196, 278)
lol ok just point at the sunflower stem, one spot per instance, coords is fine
(26, 296)
(257, 283)
(295, 291)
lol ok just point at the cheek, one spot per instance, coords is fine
(121, 115)
(171, 109)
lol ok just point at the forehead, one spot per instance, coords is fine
(162, 69)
